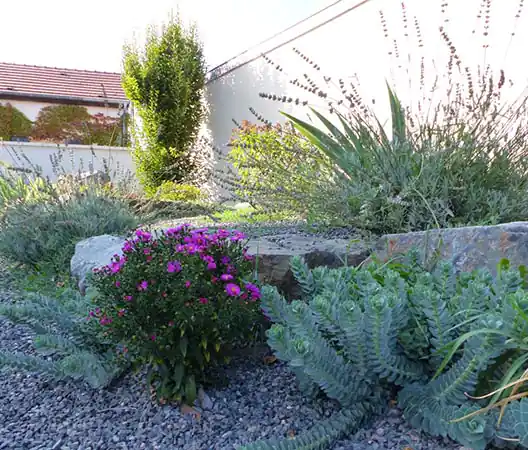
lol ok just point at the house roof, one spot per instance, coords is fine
(55, 84)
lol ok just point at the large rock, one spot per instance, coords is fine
(273, 256)
(93, 253)
(275, 252)
(468, 247)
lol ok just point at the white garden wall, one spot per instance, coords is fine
(70, 158)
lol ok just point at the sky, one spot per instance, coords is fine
(90, 35)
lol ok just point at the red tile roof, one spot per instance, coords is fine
(50, 82)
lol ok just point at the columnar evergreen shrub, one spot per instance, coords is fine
(178, 303)
(436, 336)
(165, 81)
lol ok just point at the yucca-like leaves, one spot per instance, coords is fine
(449, 168)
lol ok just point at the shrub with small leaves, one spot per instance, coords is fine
(278, 169)
(74, 123)
(13, 122)
(178, 302)
(164, 81)
(171, 191)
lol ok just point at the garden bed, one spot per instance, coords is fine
(260, 401)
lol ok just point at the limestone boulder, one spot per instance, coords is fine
(273, 254)
(93, 253)
(468, 248)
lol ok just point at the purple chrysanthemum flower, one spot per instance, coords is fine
(254, 291)
(232, 289)
(174, 267)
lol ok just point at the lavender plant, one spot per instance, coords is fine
(449, 162)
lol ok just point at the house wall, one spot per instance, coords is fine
(70, 158)
(354, 48)
(32, 108)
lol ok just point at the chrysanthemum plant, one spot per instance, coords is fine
(178, 303)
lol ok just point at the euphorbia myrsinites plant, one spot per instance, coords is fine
(178, 302)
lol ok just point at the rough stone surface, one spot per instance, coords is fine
(93, 252)
(468, 248)
(274, 253)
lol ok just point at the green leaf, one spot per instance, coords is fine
(177, 376)
(399, 128)
(322, 141)
(523, 271)
(504, 265)
(184, 343)
(454, 346)
(190, 390)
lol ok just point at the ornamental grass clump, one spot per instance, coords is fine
(178, 302)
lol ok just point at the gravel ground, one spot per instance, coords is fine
(269, 228)
(260, 402)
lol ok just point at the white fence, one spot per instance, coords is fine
(54, 159)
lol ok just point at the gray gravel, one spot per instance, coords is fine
(259, 402)
(270, 228)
